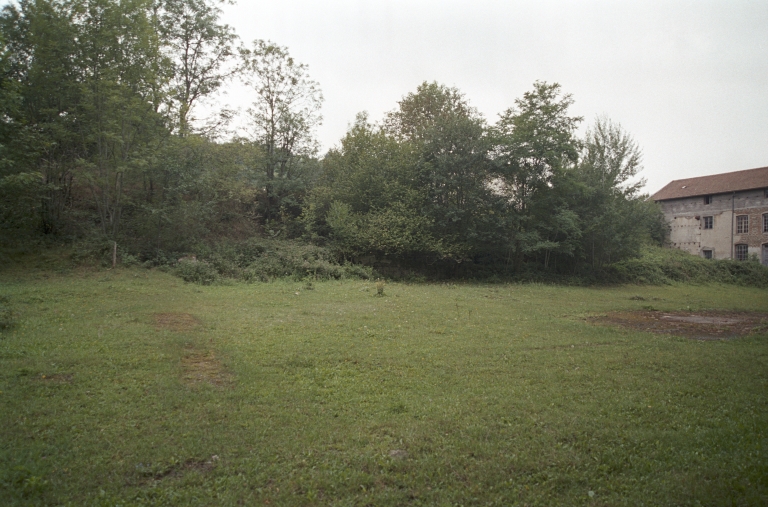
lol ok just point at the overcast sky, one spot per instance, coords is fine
(688, 80)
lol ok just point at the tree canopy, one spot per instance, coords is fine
(99, 141)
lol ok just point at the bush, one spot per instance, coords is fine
(197, 272)
(662, 266)
(264, 260)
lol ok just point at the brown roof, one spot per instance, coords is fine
(714, 184)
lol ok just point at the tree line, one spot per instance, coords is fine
(100, 139)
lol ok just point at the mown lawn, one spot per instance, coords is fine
(130, 387)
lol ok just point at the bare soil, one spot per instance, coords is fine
(707, 325)
(176, 321)
(204, 367)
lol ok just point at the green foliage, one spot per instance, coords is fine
(263, 260)
(87, 81)
(450, 148)
(20, 200)
(617, 220)
(92, 95)
(534, 145)
(22, 485)
(200, 49)
(433, 188)
(195, 190)
(413, 189)
(99, 142)
(282, 120)
(664, 265)
(201, 272)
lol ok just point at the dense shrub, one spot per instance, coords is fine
(663, 265)
(197, 272)
(263, 260)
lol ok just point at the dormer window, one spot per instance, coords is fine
(707, 199)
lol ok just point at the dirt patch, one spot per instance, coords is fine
(708, 325)
(204, 367)
(176, 321)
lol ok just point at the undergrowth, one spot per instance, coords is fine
(659, 266)
(265, 260)
(262, 260)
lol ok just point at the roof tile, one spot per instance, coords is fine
(714, 184)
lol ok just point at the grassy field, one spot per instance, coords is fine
(130, 387)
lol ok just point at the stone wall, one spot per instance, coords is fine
(686, 220)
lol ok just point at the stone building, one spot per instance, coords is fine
(722, 216)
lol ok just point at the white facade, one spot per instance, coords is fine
(721, 226)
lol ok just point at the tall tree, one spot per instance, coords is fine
(615, 219)
(119, 54)
(450, 138)
(200, 51)
(368, 202)
(283, 116)
(534, 143)
(41, 97)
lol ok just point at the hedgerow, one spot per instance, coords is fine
(664, 265)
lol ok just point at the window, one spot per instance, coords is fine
(708, 221)
(741, 252)
(707, 254)
(742, 224)
(707, 199)
(765, 222)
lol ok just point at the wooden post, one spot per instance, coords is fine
(114, 254)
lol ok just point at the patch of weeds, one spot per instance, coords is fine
(299, 362)
(173, 467)
(264, 260)
(20, 483)
(398, 408)
(380, 284)
(197, 272)
(7, 315)
(129, 260)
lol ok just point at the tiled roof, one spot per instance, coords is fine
(714, 184)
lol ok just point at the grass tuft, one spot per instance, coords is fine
(7, 315)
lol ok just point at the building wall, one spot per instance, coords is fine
(686, 220)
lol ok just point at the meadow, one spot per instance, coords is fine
(132, 387)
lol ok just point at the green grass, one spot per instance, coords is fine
(333, 395)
